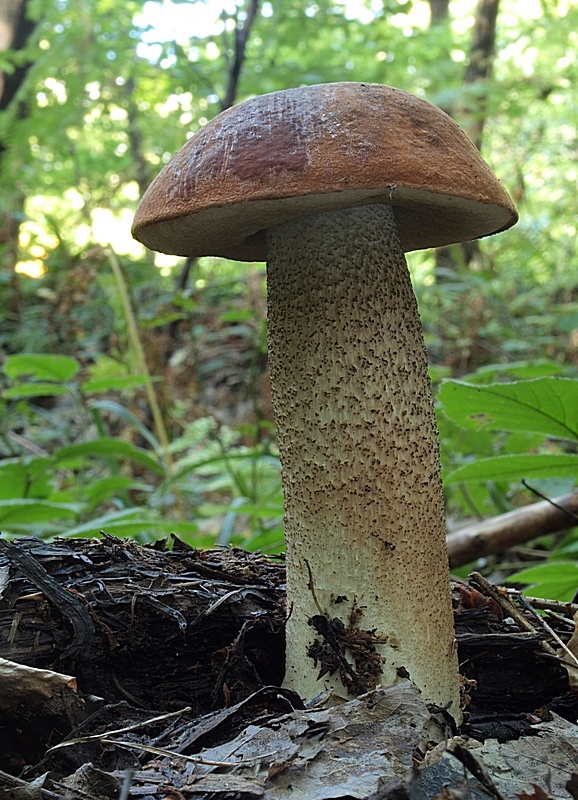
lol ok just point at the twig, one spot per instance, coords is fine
(543, 624)
(311, 587)
(159, 751)
(25, 789)
(126, 784)
(571, 515)
(510, 609)
(127, 729)
(544, 604)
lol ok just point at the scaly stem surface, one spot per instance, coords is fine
(361, 475)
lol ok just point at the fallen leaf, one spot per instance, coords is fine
(349, 750)
(538, 794)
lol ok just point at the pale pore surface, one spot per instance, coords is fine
(358, 443)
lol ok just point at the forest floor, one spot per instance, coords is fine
(130, 671)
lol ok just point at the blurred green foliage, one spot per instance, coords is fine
(110, 94)
(50, 486)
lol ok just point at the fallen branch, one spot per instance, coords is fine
(500, 533)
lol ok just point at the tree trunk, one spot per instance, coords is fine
(472, 117)
(234, 67)
(142, 170)
(471, 112)
(15, 30)
(439, 11)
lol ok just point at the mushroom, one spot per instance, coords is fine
(330, 184)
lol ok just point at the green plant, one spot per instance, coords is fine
(76, 478)
(533, 426)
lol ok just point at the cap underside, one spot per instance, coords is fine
(237, 231)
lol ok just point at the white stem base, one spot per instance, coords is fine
(358, 441)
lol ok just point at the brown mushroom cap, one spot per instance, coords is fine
(321, 148)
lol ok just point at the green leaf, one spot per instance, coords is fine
(516, 467)
(13, 481)
(240, 315)
(130, 522)
(28, 390)
(24, 510)
(110, 520)
(41, 366)
(545, 572)
(519, 370)
(113, 384)
(97, 492)
(108, 448)
(264, 510)
(220, 461)
(26, 476)
(558, 581)
(127, 416)
(566, 550)
(544, 405)
(524, 370)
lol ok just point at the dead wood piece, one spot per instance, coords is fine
(158, 619)
(21, 685)
(515, 669)
(72, 608)
(506, 530)
(544, 604)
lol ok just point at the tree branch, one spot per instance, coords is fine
(500, 533)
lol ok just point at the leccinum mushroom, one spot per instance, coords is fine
(330, 184)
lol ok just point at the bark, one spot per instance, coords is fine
(152, 627)
(131, 643)
(141, 167)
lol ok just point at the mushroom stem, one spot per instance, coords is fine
(364, 512)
